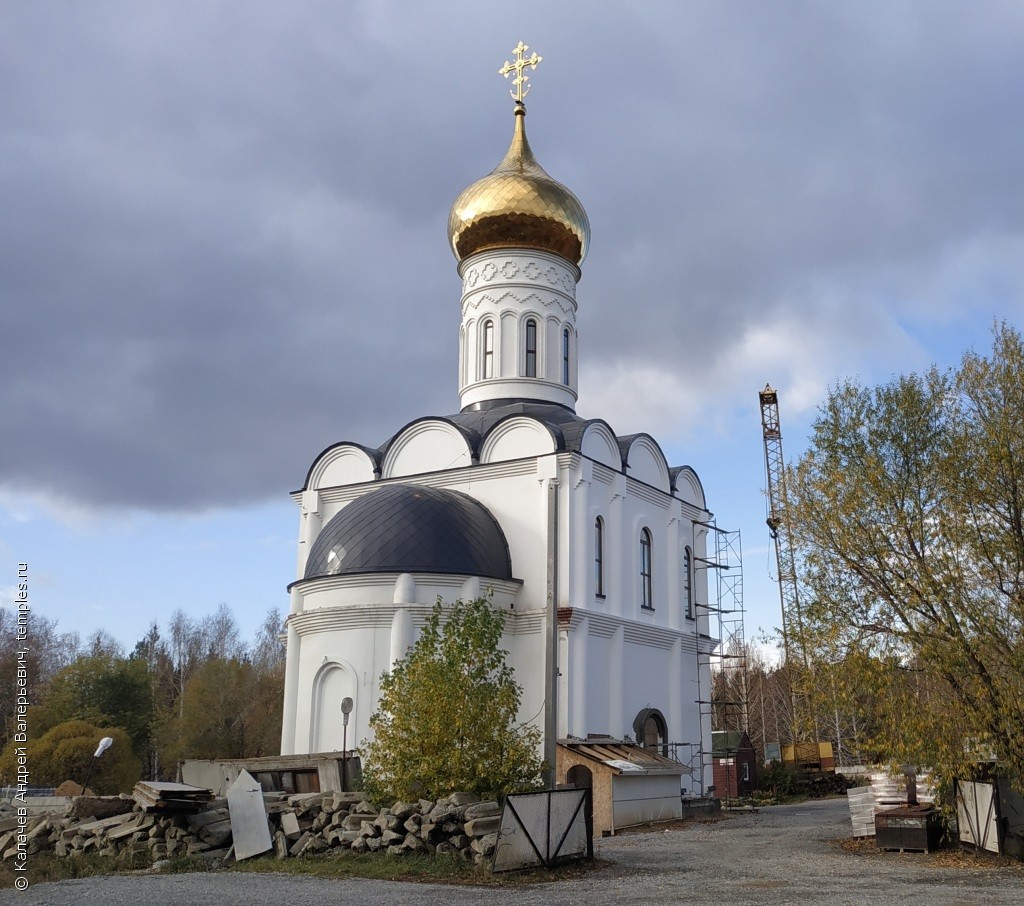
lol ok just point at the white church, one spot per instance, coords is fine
(589, 540)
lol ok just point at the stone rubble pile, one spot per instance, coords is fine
(458, 825)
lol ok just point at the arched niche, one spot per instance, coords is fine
(333, 683)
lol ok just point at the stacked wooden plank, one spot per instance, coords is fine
(154, 796)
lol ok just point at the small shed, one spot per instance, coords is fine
(734, 764)
(629, 784)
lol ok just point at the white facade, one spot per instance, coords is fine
(631, 618)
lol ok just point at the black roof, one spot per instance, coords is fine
(475, 422)
(412, 529)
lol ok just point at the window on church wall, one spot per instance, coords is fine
(565, 356)
(599, 556)
(488, 369)
(531, 348)
(646, 587)
(688, 582)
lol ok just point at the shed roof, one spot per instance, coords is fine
(623, 757)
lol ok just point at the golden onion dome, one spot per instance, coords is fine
(519, 206)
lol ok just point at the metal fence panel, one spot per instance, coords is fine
(539, 829)
(977, 815)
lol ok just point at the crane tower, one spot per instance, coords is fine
(797, 664)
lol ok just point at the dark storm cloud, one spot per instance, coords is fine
(223, 243)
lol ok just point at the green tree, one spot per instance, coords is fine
(230, 709)
(447, 718)
(105, 690)
(64, 752)
(48, 652)
(908, 510)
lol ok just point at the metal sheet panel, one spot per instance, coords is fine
(641, 799)
(250, 831)
(541, 828)
(977, 815)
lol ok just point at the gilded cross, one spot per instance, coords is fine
(520, 63)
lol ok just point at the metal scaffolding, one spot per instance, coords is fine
(722, 673)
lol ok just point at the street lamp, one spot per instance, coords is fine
(346, 710)
(105, 744)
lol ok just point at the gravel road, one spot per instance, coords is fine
(779, 855)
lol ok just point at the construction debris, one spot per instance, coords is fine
(154, 796)
(300, 824)
(248, 826)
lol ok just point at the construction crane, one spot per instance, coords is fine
(806, 751)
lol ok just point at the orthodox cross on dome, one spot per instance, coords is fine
(520, 63)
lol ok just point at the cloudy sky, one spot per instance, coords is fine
(223, 248)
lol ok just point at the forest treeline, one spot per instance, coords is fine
(190, 689)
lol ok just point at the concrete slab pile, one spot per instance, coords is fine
(459, 826)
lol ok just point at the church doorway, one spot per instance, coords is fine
(652, 731)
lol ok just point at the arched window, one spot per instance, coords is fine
(599, 556)
(565, 356)
(488, 369)
(688, 582)
(646, 588)
(531, 348)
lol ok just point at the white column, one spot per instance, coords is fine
(578, 665)
(619, 557)
(581, 563)
(291, 685)
(616, 677)
(675, 694)
(401, 634)
(563, 683)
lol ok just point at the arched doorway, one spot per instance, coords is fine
(651, 730)
(582, 778)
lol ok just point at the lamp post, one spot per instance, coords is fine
(346, 710)
(105, 744)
